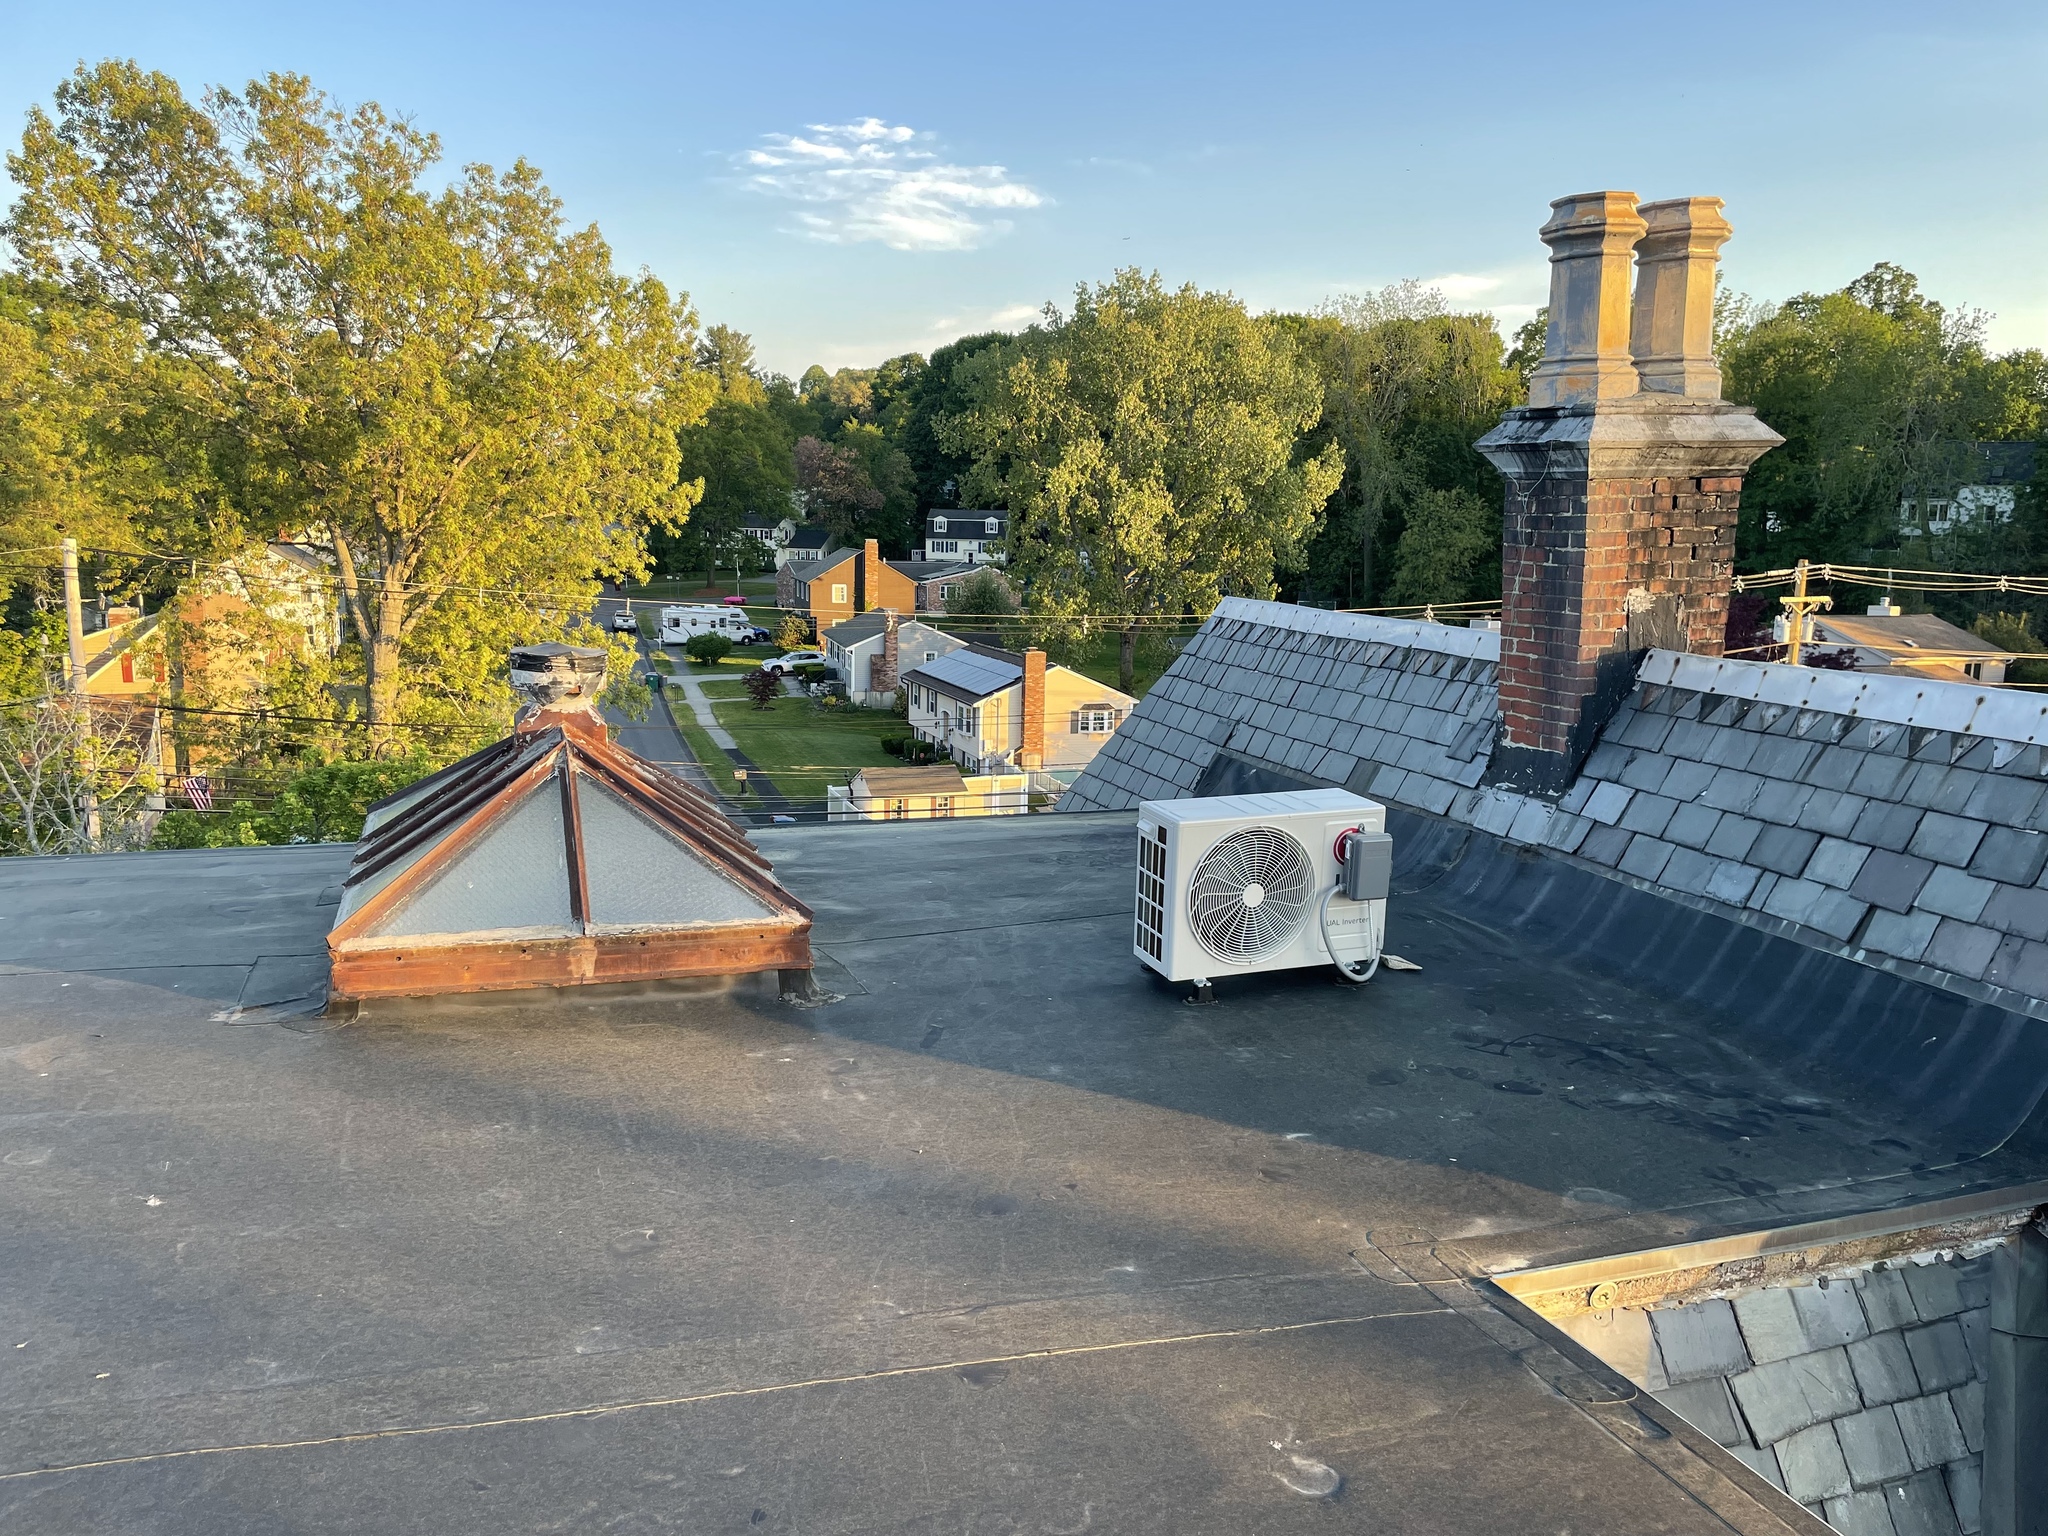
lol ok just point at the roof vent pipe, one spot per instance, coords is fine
(560, 684)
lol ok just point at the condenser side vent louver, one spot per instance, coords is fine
(1151, 934)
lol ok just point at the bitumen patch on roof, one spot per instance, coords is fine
(1009, 1238)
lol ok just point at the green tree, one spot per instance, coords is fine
(983, 593)
(1449, 550)
(1878, 390)
(448, 390)
(1407, 388)
(1146, 448)
(912, 415)
(741, 454)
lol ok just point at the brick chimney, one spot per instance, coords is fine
(1031, 751)
(1623, 473)
(884, 669)
(865, 575)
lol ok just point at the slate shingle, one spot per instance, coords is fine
(1783, 850)
(1967, 1403)
(1698, 1341)
(1873, 1447)
(1940, 1358)
(1936, 1290)
(1648, 813)
(1904, 936)
(1836, 863)
(1947, 839)
(1813, 1464)
(1951, 893)
(1733, 836)
(1884, 1370)
(1920, 1506)
(1886, 1301)
(1891, 880)
(1706, 1406)
(2014, 910)
(1646, 857)
(2011, 854)
(1862, 1512)
(2020, 964)
(1933, 1437)
(1883, 824)
(1961, 949)
(1787, 1395)
(1828, 1314)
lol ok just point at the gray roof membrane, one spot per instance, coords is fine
(1897, 820)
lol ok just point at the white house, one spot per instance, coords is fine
(872, 650)
(1988, 479)
(968, 536)
(991, 709)
(935, 793)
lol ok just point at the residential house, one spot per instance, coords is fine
(803, 545)
(771, 533)
(988, 708)
(953, 534)
(871, 649)
(1983, 488)
(832, 590)
(1918, 643)
(937, 579)
(937, 792)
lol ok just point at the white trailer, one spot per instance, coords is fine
(680, 622)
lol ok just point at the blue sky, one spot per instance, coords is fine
(848, 182)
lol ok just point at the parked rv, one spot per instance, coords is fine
(681, 622)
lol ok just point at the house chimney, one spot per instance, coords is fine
(1031, 751)
(883, 670)
(1623, 475)
(865, 572)
(560, 684)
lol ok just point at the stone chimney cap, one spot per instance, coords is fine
(550, 671)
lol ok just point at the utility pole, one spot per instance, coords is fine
(1801, 607)
(81, 704)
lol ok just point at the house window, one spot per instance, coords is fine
(943, 806)
(946, 592)
(931, 655)
(945, 546)
(991, 527)
(1097, 721)
(938, 525)
(838, 592)
(899, 810)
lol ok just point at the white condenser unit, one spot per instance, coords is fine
(1244, 883)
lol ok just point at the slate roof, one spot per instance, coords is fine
(965, 523)
(1896, 819)
(1863, 1398)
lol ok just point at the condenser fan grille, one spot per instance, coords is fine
(1249, 894)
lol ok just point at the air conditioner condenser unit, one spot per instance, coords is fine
(1239, 884)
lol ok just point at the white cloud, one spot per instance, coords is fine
(871, 180)
(1461, 287)
(865, 354)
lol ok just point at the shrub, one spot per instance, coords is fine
(708, 650)
(793, 633)
(984, 592)
(762, 687)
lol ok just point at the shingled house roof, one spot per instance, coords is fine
(1899, 820)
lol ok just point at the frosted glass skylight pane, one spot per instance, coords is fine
(639, 874)
(515, 876)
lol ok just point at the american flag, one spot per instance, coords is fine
(198, 793)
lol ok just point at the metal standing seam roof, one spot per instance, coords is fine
(969, 674)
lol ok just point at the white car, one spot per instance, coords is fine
(624, 623)
(789, 661)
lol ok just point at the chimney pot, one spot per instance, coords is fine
(1591, 236)
(1672, 335)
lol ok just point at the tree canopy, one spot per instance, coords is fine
(449, 392)
(1145, 447)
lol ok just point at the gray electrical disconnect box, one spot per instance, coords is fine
(1368, 865)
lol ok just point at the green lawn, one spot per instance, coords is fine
(804, 748)
(691, 589)
(702, 747)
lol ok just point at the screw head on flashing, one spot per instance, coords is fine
(1603, 1296)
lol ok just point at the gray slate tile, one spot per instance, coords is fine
(1906, 937)
(1836, 863)
(1947, 839)
(2006, 799)
(1951, 893)
(1920, 1506)
(1873, 1447)
(1770, 1325)
(1697, 1341)
(1962, 949)
(1787, 1395)
(2020, 964)
(1733, 882)
(1967, 1403)
(1648, 813)
(1783, 850)
(1646, 857)
(1889, 826)
(1688, 779)
(2011, 854)
(1940, 1358)
(1707, 1406)
(1884, 1370)
(2013, 910)
(1813, 1464)
(1933, 1437)
(1966, 1492)
(1864, 1512)
(1733, 836)
(1936, 1289)
(1606, 845)
(1777, 801)
(1607, 802)
(1691, 824)
(1829, 1314)
(1891, 880)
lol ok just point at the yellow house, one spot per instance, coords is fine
(995, 710)
(938, 792)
